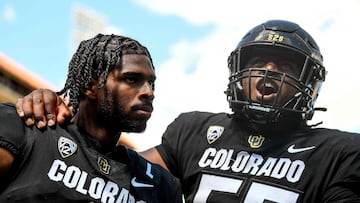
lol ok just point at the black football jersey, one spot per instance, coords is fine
(65, 164)
(218, 160)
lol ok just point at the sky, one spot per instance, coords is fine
(190, 41)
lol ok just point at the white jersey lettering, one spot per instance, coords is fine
(99, 189)
(240, 161)
(80, 186)
(254, 164)
(71, 177)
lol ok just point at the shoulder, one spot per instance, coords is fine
(8, 115)
(192, 124)
(11, 128)
(7, 108)
(201, 116)
(336, 134)
(337, 139)
(185, 123)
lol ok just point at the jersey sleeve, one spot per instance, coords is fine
(345, 182)
(11, 129)
(170, 187)
(175, 135)
(167, 187)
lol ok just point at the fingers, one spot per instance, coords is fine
(26, 108)
(19, 108)
(63, 111)
(39, 108)
(50, 99)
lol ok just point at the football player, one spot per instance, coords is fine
(110, 85)
(264, 151)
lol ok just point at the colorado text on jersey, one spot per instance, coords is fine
(252, 164)
(74, 178)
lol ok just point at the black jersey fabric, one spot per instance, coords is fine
(218, 160)
(64, 164)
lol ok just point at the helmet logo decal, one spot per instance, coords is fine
(66, 147)
(213, 133)
(256, 141)
(275, 38)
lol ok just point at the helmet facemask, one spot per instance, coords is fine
(281, 95)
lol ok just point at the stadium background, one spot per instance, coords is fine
(189, 41)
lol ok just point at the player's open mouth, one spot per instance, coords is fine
(266, 91)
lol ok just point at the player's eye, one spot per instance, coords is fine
(130, 80)
(256, 62)
(289, 68)
(152, 84)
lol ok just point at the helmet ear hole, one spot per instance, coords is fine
(320, 73)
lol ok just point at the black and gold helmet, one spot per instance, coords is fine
(290, 41)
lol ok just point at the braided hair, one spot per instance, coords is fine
(94, 60)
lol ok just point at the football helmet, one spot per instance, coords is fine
(291, 42)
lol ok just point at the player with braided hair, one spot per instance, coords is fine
(264, 151)
(78, 78)
(110, 86)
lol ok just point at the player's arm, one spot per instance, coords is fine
(154, 156)
(12, 138)
(6, 160)
(42, 107)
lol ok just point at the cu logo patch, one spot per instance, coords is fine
(104, 165)
(256, 141)
(213, 133)
(66, 147)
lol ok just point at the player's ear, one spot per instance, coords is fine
(92, 91)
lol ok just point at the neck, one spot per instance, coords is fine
(87, 120)
(282, 126)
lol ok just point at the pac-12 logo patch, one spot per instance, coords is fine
(66, 147)
(213, 133)
(256, 141)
